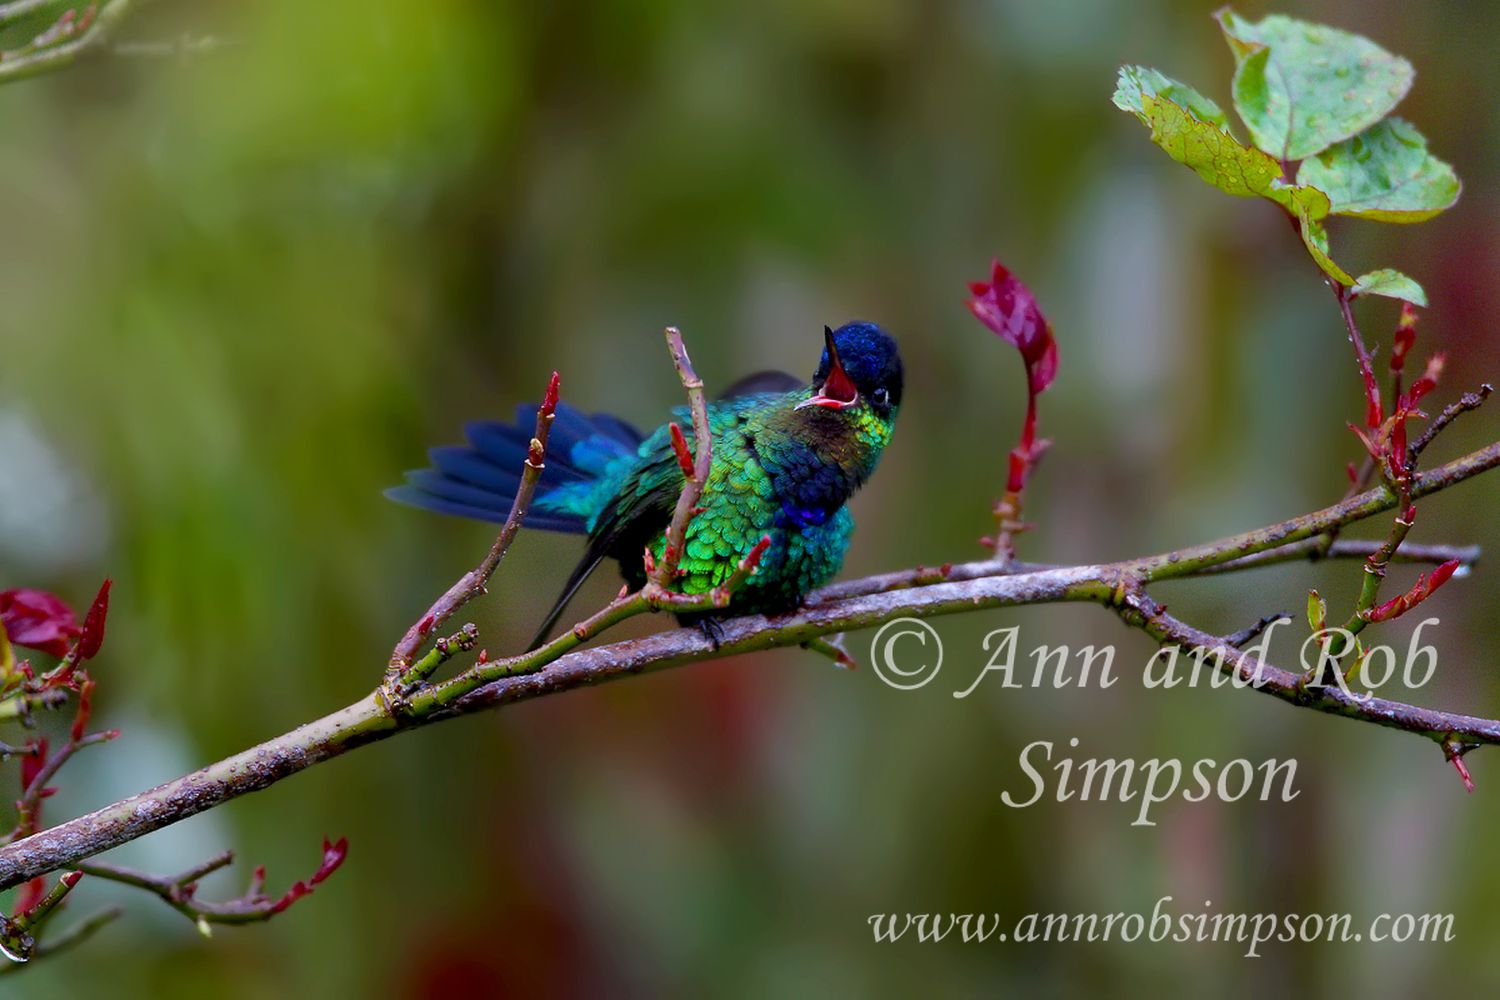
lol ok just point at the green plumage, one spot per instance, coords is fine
(785, 463)
(776, 471)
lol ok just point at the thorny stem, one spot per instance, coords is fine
(832, 648)
(1007, 523)
(1373, 410)
(1345, 296)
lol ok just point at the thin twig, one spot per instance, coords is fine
(177, 891)
(1252, 631)
(72, 937)
(832, 647)
(1468, 401)
(472, 584)
(1142, 612)
(1345, 298)
(33, 61)
(32, 795)
(17, 9)
(665, 577)
(1306, 549)
(1468, 555)
(180, 891)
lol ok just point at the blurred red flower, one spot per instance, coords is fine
(1007, 307)
(38, 620)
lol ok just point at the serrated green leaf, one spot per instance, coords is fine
(1302, 87)
(1392, 284)
(1138, 81)
(1315, 238)
(1383, 173)
(1215, 155)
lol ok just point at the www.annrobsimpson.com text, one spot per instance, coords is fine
(1164, 923)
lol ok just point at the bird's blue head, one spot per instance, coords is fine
(860, 363)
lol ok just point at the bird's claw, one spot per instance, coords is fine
(712, 629)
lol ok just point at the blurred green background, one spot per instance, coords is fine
(241, 291)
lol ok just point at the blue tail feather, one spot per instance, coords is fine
(479, 480)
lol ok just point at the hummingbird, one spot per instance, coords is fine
(786, 457)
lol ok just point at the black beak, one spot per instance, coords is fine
(838, 390)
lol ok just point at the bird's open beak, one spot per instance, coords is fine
(838, 391)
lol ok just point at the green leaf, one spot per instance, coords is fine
(1392, 284)
(1315, 238)
(1135, 82)
(1317, 611)
(1302, 87)
(1192, 138)
(1383, 173)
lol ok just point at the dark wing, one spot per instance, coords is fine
(766, 381)
(631, 519)
(479, 480)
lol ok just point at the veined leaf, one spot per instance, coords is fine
(1315, 237)
(1193, 137)
(1383, 173)
(1138, 81)
(1302, 87)
(1392, 284)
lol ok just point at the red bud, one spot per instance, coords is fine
(85, 709)
(32, 763)
(93, 624)
(680, 449)
(1419, 592)
(333, 856)
(549, 399)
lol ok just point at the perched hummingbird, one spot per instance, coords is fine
(787, 456)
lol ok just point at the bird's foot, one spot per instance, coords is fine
(712, 629)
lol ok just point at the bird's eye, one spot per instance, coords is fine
(880, 397)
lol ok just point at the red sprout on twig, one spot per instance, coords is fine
(1406, 336)
(32, 763)
(333, 856)
(681, 450)
(32, 892)
(1007, 307)
(1424, 588)
(752, 558)
(92, 636)
(1454, 751)
(38, 620)
(549, 398)
(85, 709)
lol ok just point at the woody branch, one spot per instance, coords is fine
(560, 666)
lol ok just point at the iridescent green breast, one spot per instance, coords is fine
(776, 471)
